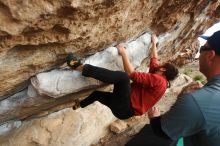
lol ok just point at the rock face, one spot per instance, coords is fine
(81, 127)
(65, 84)
(58, 83)
(35, 36)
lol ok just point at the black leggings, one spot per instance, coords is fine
(118, 100)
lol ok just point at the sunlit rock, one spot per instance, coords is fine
(58, 83)
(118, 126)
(81, 127)
(11, 108)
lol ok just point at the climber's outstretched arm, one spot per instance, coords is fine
(128, 67)
(153, 50)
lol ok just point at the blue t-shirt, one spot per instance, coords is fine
(196, 116)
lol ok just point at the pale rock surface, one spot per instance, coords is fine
(137, 50)
(8, 106)
(181, 81)
(9, 127)
(67, 127)
(21, 104)
(118, 126)
(58, 83)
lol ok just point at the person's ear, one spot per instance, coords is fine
(211, 55)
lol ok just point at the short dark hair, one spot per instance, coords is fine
(171, 71)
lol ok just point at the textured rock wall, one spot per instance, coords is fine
(60, 86)
(35, 36)
(81, 127)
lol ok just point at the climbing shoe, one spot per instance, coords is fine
(73, 61)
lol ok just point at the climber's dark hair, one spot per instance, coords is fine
(171, 71)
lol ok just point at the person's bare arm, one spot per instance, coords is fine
(191, 87)
(128, 67)
(153, 51)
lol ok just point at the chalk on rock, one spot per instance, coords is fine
(57, 83)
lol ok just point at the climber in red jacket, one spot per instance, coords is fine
(128, 99)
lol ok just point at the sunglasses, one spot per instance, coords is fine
(204, 48)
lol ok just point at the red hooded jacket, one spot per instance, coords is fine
(147, 88)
